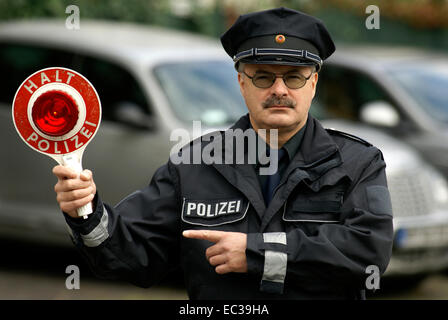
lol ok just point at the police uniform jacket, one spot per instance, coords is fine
(329, 219)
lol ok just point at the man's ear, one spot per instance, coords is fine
(241, 82)
(314, 79)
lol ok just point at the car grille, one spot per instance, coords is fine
(410, 193)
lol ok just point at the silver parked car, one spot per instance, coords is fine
(401, 91)
(152, 81)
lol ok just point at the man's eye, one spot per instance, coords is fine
(294, 76)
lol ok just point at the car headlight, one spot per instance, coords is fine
(439, 187)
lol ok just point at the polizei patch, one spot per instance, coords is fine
(213, 212)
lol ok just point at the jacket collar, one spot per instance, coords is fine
(312, 164)
(316, 146)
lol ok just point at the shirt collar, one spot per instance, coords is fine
(293, 144)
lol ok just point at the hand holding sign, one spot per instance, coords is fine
(228, 254)
(57, 112)
(73, 190)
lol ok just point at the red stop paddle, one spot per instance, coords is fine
(57, 112)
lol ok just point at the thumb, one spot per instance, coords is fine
(86, 175)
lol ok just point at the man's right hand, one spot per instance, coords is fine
(72, 191)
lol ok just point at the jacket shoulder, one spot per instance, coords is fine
(349, 136)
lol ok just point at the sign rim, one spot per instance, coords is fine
(80, 149)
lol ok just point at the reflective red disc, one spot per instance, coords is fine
(55, 113)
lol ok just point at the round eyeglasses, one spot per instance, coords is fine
(264, 79)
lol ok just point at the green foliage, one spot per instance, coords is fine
(407, 22)
(141, 11)
(131, 10)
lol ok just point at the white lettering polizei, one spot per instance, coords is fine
(86, 133)
(33, 137)
(201, 209)
(77, 143)
(190, 206)
(43, 145)
(210, 210)
(56, 150)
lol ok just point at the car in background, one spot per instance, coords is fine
(152, 81)
(401, 91)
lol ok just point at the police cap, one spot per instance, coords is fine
(278, 36)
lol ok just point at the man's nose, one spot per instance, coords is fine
(279, 87)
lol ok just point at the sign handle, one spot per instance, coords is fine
(73, 162)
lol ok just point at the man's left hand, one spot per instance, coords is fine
(228, 254)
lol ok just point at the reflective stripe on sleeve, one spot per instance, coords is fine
(275, 237)
(99, 234)
(275, 263)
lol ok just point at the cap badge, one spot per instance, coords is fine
(280, 38)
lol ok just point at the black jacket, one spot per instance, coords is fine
(329, 220)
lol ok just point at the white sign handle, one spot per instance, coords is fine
(73, 161)
(38, 127)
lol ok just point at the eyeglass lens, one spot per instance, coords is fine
(293, 80)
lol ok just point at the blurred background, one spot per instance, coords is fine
(420, 23)
(158, 65)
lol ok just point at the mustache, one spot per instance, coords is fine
(277, 101)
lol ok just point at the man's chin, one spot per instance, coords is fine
(279, 120)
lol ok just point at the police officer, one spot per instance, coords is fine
(310, 230)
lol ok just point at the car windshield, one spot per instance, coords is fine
(206, 91)
(427, 84)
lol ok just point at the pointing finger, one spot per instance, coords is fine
(210, 235)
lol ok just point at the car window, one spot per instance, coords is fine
(427, 84)
(206, 91)
(114, 84)
(18, 61)
(342, 92)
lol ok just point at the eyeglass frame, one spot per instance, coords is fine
(278, 76)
